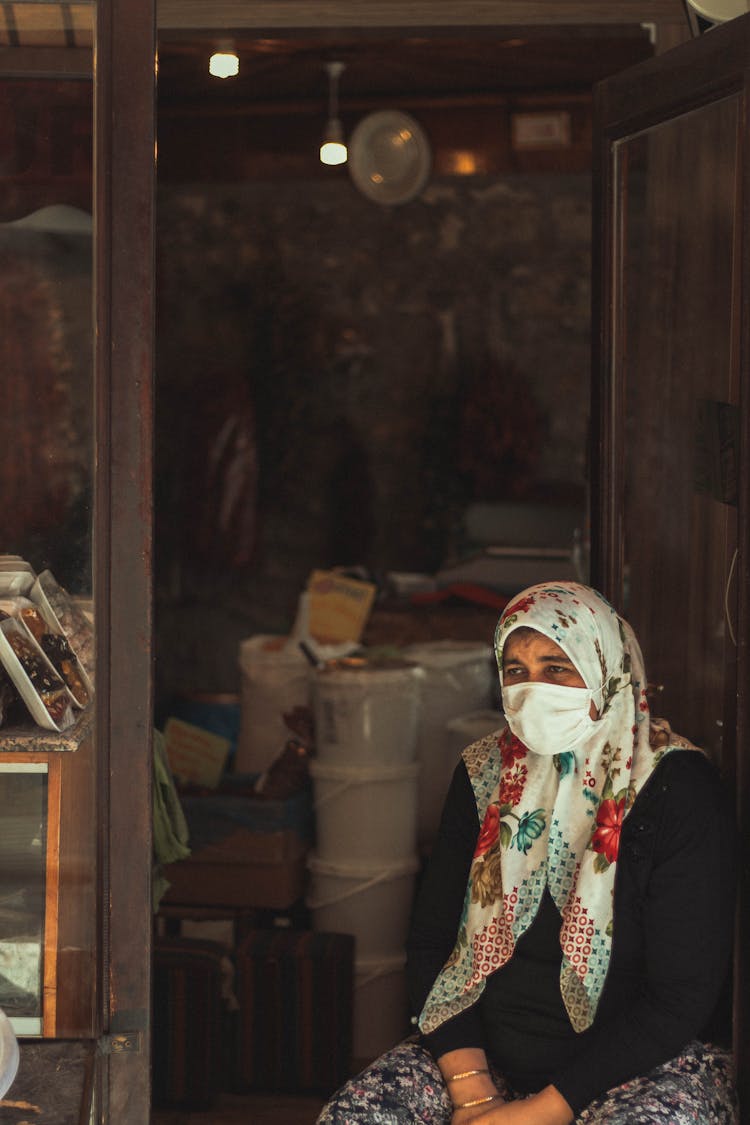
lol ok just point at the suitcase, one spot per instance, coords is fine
(189, 1022)
(294, 1024)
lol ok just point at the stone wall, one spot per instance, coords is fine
(370, 371)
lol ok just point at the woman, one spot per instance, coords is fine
(571, 939)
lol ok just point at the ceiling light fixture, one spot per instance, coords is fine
(333, 148)
(224, 64)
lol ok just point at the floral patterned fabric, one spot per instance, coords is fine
(405, 1086)
(554, 820)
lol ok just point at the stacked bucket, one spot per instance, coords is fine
(458, 687)
(363, 871)
(274, 678)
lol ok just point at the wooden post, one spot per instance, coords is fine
(124, 240)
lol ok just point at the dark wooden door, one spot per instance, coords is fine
(670, 409)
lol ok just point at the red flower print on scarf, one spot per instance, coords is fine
(520, 606)
(511, 748)
(511, 786)
(489, 831)
(606, 838)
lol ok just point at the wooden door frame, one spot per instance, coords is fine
(124, 190)
(718, 65)
(340, 14)
(124, 225)
(666, 19)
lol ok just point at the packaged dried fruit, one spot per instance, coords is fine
(41, 688)
(45, 629)
(56, 642)
(60, 609)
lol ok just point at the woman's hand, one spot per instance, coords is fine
(548, 1107)
(467, 1078)
(466, 1074)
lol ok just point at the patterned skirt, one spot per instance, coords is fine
(405, 1086)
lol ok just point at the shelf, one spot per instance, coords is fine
(36, 740)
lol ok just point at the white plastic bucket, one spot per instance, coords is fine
(365, 814)
(459, 677)
(371, 901)
(381, 1006)
(274, 678)
(366, 715)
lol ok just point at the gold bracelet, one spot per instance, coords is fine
(478, 1101)
(467, 1074)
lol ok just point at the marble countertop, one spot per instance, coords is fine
(34, 739)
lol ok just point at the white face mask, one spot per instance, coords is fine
(548, 718)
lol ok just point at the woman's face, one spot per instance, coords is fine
(530, 657)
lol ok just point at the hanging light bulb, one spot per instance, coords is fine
(224, 64)
(333, 148)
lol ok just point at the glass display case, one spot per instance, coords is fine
(26, 920)
(76, 345)
(48, 885)
(48, 778)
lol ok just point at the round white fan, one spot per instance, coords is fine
(389, 157)
(719, 11)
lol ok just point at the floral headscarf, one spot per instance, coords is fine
(554, 820)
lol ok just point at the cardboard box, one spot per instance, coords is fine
(243, 846)
(245, 851)
(212, 817)
(274, 886)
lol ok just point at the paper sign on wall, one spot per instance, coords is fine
(196, 756)
(338, 606)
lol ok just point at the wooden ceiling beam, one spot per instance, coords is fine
(292, 108)
(217, 15)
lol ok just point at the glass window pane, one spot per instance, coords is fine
(23, 799)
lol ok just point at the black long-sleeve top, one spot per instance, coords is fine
(668, 975)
